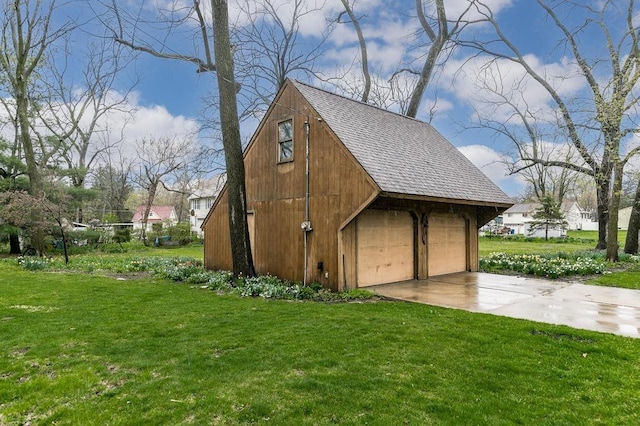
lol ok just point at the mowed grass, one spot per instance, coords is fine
(578, 241)
(85, 349)
(621, 275)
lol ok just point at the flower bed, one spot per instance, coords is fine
(548, 266)
(191, 271)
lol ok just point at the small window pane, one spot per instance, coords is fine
(285, 140)
(286, 150)
(286, 131)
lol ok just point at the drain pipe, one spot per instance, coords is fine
(306, 225)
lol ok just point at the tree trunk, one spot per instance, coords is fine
(14, 244)
(602, 211)
(614, 205)
(363, 51)
(432, 57)
(546, 232)
(631, 243)
(236, 192)
(153, 188)
(35, 180)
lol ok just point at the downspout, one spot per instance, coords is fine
(306, 225)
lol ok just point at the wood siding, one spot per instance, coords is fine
(217, 246)
(276, 196)
(339, 192)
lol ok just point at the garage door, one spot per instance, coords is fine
(447, 250)
(385, 247)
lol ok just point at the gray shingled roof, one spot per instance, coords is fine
(523, 208)
(402, 155)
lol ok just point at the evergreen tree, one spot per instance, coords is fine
(548, 216)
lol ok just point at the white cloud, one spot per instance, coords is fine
(130, 122)
(455, 8)
(492, 164)
(482, 82)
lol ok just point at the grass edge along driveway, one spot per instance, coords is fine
(83, 349)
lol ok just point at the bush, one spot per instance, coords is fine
(121, 235)
(179, 234)
(113, 248)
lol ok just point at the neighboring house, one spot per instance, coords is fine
(517, 219)
(385, 198)
(624, 216)
(201, 200)
(165, 215)
(495, 227)
(578, 218)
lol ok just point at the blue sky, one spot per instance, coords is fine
(388, 26)
(169, 97)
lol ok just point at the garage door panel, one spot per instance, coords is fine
(447, 244)
(385, 247)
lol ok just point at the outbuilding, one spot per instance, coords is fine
(349, 195)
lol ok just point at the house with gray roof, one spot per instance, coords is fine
(349, 195)
(518, 217)
(201, 200)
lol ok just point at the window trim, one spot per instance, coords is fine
(279, 142)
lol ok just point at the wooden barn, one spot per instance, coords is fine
(349, 195)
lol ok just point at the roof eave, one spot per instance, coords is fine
(446, 200)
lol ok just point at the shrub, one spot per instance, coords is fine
(113, 248)
(121, 235)
(179, 234)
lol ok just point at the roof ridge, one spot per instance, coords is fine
(359, 102)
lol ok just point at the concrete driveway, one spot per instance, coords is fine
(605, 309)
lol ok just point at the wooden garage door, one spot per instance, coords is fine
(447, 244)
(385, 247)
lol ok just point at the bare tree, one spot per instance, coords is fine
(442, 34)
(236, 191)
(364, 59)
(159, 159)
(612, 101)
(506, 112)
(268, 49)
(113, 180)
(28, 32)
(433, 43)
(77, 113)
(214, 40)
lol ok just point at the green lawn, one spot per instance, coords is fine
(85, 349)
(578, 241)
(623, 275)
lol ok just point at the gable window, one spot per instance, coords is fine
(285, 141)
